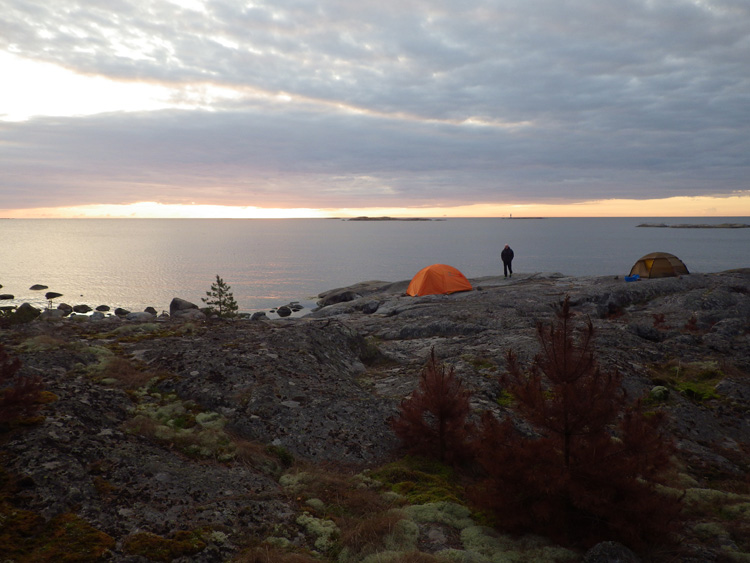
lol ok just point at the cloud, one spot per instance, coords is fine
(410, 103)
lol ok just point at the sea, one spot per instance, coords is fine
(137, 263)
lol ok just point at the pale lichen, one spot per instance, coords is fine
(324, 531)
(448, 513)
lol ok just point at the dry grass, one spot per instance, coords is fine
(366, 536)
(255, 455)
(43, 342)
(125, 373)
(142, 425)
(341, 492)
(269, 554)
(415, 557)
(364, 516)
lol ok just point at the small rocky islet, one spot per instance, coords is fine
(696, 226)
(187, 438)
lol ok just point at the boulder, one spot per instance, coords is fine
(6, 296)
(151, 311)
(259, 316)
(52, 295)
(370, 307)
(26, 313)
(647, 332)
(97, 316)
(610, 552)
(338, 297)
(142, 316)
(120, 312)
(52, 314)
(82, 309)
(283, 311)
(65, 308)
(178, 306)
(37, 287)
(103, 308)
(189, 315)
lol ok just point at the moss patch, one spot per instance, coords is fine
(181, 424)
(447, 513)
(480, 363)
(695, 380)
(420, 480)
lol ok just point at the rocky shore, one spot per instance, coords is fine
(184, 438)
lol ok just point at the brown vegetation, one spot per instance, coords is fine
(270, 554)
(587, 467)
(589, 471)
(433, 422)
(20, 397)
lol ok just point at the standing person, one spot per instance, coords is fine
(507, 257)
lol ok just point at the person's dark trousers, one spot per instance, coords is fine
(507, 269)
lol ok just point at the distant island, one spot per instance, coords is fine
(696, 226)
(365, 218)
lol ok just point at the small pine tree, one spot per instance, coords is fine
(590, 471)
(433, 421)
(220, 299)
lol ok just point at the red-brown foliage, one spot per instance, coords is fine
(692, 324)
(590, 471)
(19, 396)
(660, 321)
(433, 422)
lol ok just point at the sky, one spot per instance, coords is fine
(298, 108)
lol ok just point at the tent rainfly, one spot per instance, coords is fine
(659, 265)
(436, 280)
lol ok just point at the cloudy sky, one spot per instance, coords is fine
(408, 107)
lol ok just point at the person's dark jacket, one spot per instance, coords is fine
(507, 255)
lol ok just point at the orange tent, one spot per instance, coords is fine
(438, 279)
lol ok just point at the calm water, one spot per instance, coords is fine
(134, 263)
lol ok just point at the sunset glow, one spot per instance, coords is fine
(674, 207)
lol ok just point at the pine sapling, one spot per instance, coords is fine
(220, 299)
(588, 469)
(433, 421)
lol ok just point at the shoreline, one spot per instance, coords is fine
(302, 307)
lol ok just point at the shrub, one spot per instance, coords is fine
(20, 397)
(590, 470)
(433, 422)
